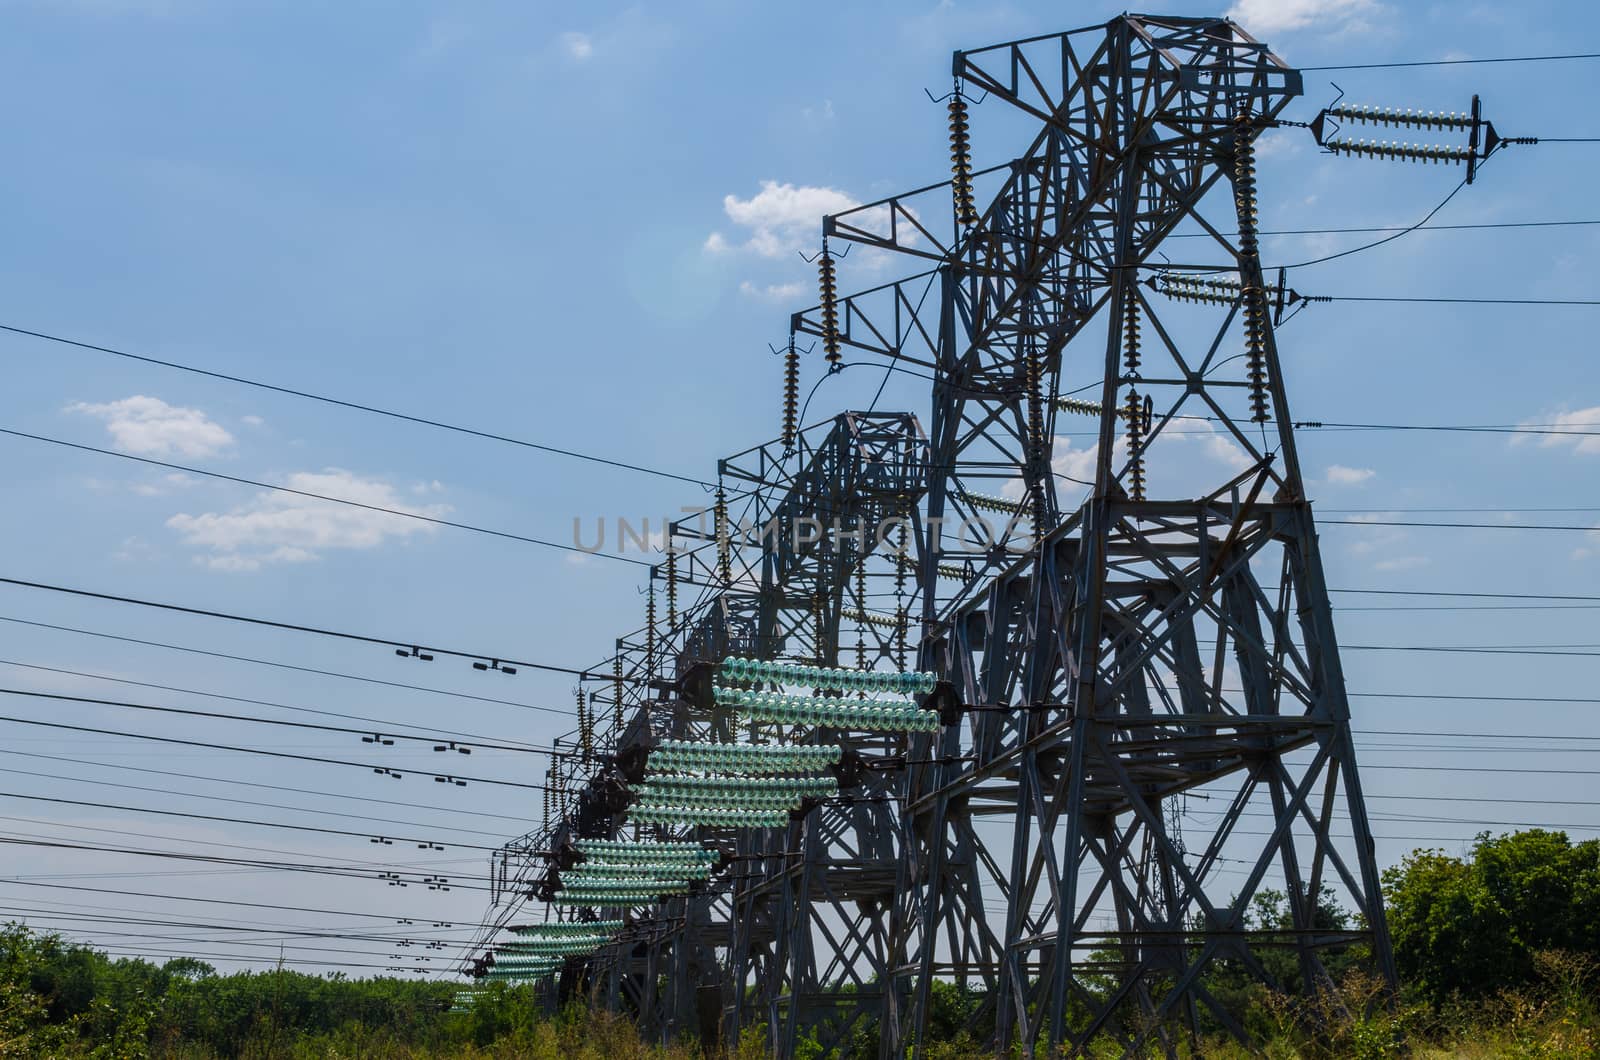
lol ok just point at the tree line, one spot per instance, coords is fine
(1500, 945)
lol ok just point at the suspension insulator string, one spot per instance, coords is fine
(1400, 152)
(1403, 117)
(616, 688)
(672, 586)
(1198, 289)
(820, 614)
(1130, 332)
(585, 728)
(961, 160)
(719, 519)
(861, 611)
(1252, 296)
(828, 283)
(791, 392)
(1133, 414)
(650, 631)
(900, 592)
(1082, 408)
(1130, 411)
(1033, 367)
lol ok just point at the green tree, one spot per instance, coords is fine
(1471, 926)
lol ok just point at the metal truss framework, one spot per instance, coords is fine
(1127, 657)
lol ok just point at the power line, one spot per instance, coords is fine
(357, 406)
(1551, 430)
(400, 512)
(124, 952)
(1470, 699)
(1454, 526)
(98, 927)
(362, 638)
(1457, 301)
(1468, 594)
(229, 933)
(345, 861)
(242, 802)
(1502, 508)
(1411, 818)
(1478, 735)
(1471, 607)
(345, 871)
(459, 781)
(1469, 650)
(1488, 769)
(231, 781)
(282, 665)
(421, 844)
(364, 869)
(110, 915)
(1471, 798)
(375, 737)
(210, 901)
(1453, 62)
(476, 739)
(1373, 229)
(1386, 239)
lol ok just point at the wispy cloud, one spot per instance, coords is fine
(1582, 428)
(1339, 475)
(579, 46)
(277, 528)
(777, 292)
(149, 426)
(1279, 16)
(162, 485)
(1592, 546)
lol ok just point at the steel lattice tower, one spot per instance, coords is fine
(1114, 660)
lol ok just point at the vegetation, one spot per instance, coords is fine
(1499, 954)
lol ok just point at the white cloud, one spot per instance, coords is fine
(777, 292)
(171, 482)
(1214, 444)
(134, 550)
(1582, 425)
(1264, 17)
(1339, 475)
(1275, 144)
(577, 45)
(151, 427)
(781, 218)
(1401, 563)
(1078, 465)
(283, 528)
(817, 116)
(251, 421)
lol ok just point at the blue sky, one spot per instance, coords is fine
(579, 225)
